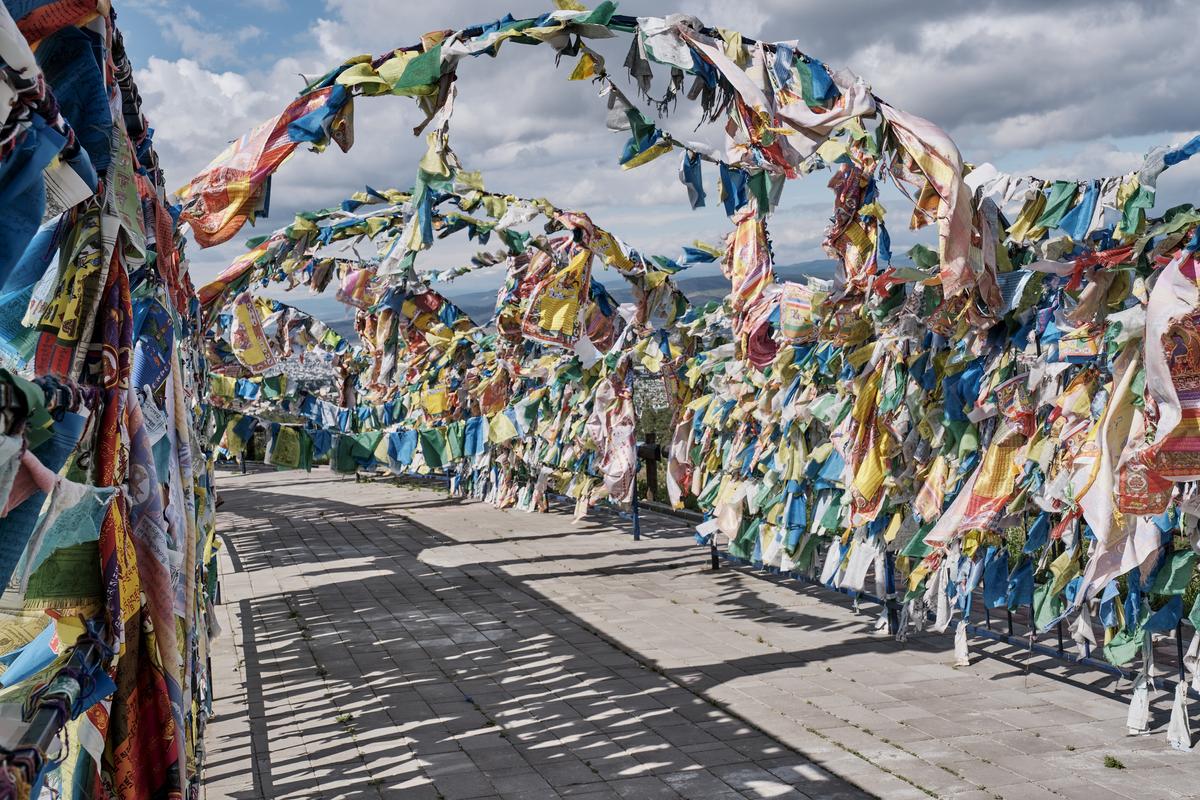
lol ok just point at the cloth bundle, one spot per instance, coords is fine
(106, 521)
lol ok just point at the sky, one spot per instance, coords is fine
(1066, 89)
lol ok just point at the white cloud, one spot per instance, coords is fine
(196, 111)
(196, 41)
(1011, 81)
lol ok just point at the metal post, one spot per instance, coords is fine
(633, 506)
(1010, 625)
(893, 609)
(637, 518)
(47, 720)
(1059, 548)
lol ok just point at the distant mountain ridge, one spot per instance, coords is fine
(480, 304)
(699, 289)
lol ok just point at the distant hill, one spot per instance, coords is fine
(817, 268)
(699, 288)
(714, 287)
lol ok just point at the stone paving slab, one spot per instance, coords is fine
(391, 641)
(350, 668)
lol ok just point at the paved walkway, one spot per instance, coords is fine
(392, 642)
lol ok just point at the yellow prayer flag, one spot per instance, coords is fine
(586, 68)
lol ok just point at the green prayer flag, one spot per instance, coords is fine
(757, 184)
(1123, 647)
(831, 520)
(424, 70)
(1133, 214)
(804, 559)
(1174, 575)
(743, 545)
(1062, 196)
(600, 15)
(516, 241)
(433, 447)
(455, 436)
(274, 386)
(806, 83)
(351, 452)
(916, 547)
(1047, 606)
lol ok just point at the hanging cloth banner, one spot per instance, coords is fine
(250, 343)
(553, 313)
(747, 263)
(230, 189)
(796, 311)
